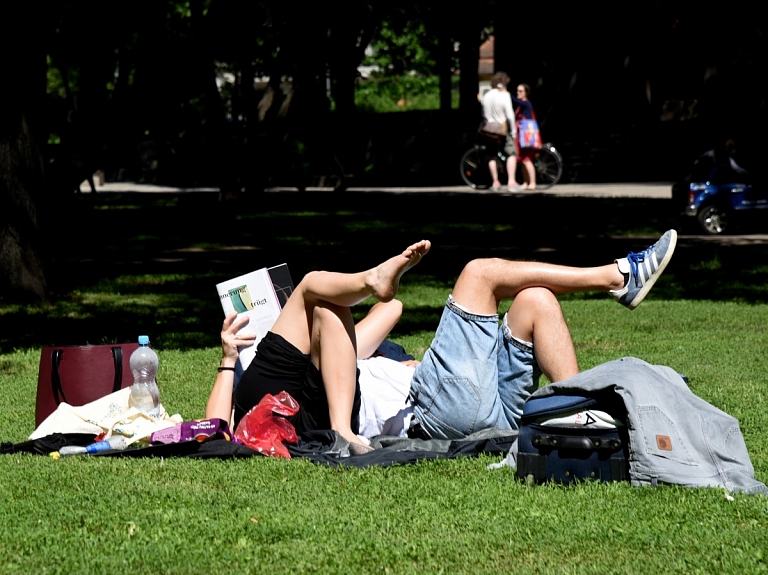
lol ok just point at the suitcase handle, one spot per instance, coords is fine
(575, 442)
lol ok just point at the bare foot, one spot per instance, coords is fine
(359, 448)
(384, 279)
(356, 447)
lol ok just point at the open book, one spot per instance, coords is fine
(260, 295)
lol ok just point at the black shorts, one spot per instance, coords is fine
(279, 366)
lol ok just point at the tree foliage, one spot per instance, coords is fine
(402, 47)
(224, 92)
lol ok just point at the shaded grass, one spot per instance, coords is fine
(112, 251)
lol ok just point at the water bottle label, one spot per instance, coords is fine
(99, 446)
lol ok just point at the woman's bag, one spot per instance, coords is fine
(80, 374)
(528, 135)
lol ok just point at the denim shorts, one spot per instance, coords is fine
(474, 376)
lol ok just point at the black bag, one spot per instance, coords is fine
(80, 374)
(565, 453)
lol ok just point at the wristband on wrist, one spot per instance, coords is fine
(226, 369)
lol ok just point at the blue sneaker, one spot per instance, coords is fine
(643, 269)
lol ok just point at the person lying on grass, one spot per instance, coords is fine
(477, 372)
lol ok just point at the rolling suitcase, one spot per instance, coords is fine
(566, 438)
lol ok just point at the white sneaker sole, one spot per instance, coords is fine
(662, 266)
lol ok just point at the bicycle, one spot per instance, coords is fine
(548, 164)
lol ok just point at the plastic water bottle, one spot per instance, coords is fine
(145, 396)
(114, 442)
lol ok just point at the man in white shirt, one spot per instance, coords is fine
(497, 109)
(479, 371)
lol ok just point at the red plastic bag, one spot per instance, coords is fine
(262, 430)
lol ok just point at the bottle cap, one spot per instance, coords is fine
(143, 340)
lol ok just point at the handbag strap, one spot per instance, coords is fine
(117, 358)
(58, 389)
(517, 114)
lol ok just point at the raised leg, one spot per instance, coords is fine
(376, 325)
(535, 316)
(345, 290)
(317, 321)
(334, 354)
(484, 283)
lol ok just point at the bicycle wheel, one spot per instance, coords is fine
(549, 167)
(474, 168)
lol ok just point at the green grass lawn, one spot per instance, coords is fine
(706, 318)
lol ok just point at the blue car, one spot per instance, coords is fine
(718, 207)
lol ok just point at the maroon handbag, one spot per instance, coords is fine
(80, 374)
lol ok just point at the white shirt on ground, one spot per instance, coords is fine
(384, 388)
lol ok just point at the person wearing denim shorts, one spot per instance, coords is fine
(478, 372)
(475, 375)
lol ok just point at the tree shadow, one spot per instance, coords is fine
(130, 263)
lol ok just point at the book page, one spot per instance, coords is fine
(252, 295)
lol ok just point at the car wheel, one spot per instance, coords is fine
(713, 219)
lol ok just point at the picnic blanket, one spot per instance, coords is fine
(321, 447)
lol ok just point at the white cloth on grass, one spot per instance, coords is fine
(384, 387)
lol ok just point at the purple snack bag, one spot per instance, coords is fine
(202, 430)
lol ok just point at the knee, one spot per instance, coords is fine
(326, 315)
(531, 309)
(540, 299)
(541, 305)
(394, 307)
(325, 312)
(481, 268)
(308, 279)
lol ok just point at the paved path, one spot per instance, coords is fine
(641, 190)
(661, 190)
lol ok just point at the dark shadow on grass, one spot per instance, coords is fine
(125, 264)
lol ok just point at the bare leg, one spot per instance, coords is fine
(333, 353)
(382, 282)
(375, 327)
(511, 167)
(535, 316)
(316, 319)
(484, 283)
(494, 169)
(530, 174)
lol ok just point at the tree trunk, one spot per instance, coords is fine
(444, 71)
(22, 275)
(469, 57)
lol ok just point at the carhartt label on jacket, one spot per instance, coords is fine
(664, 443)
